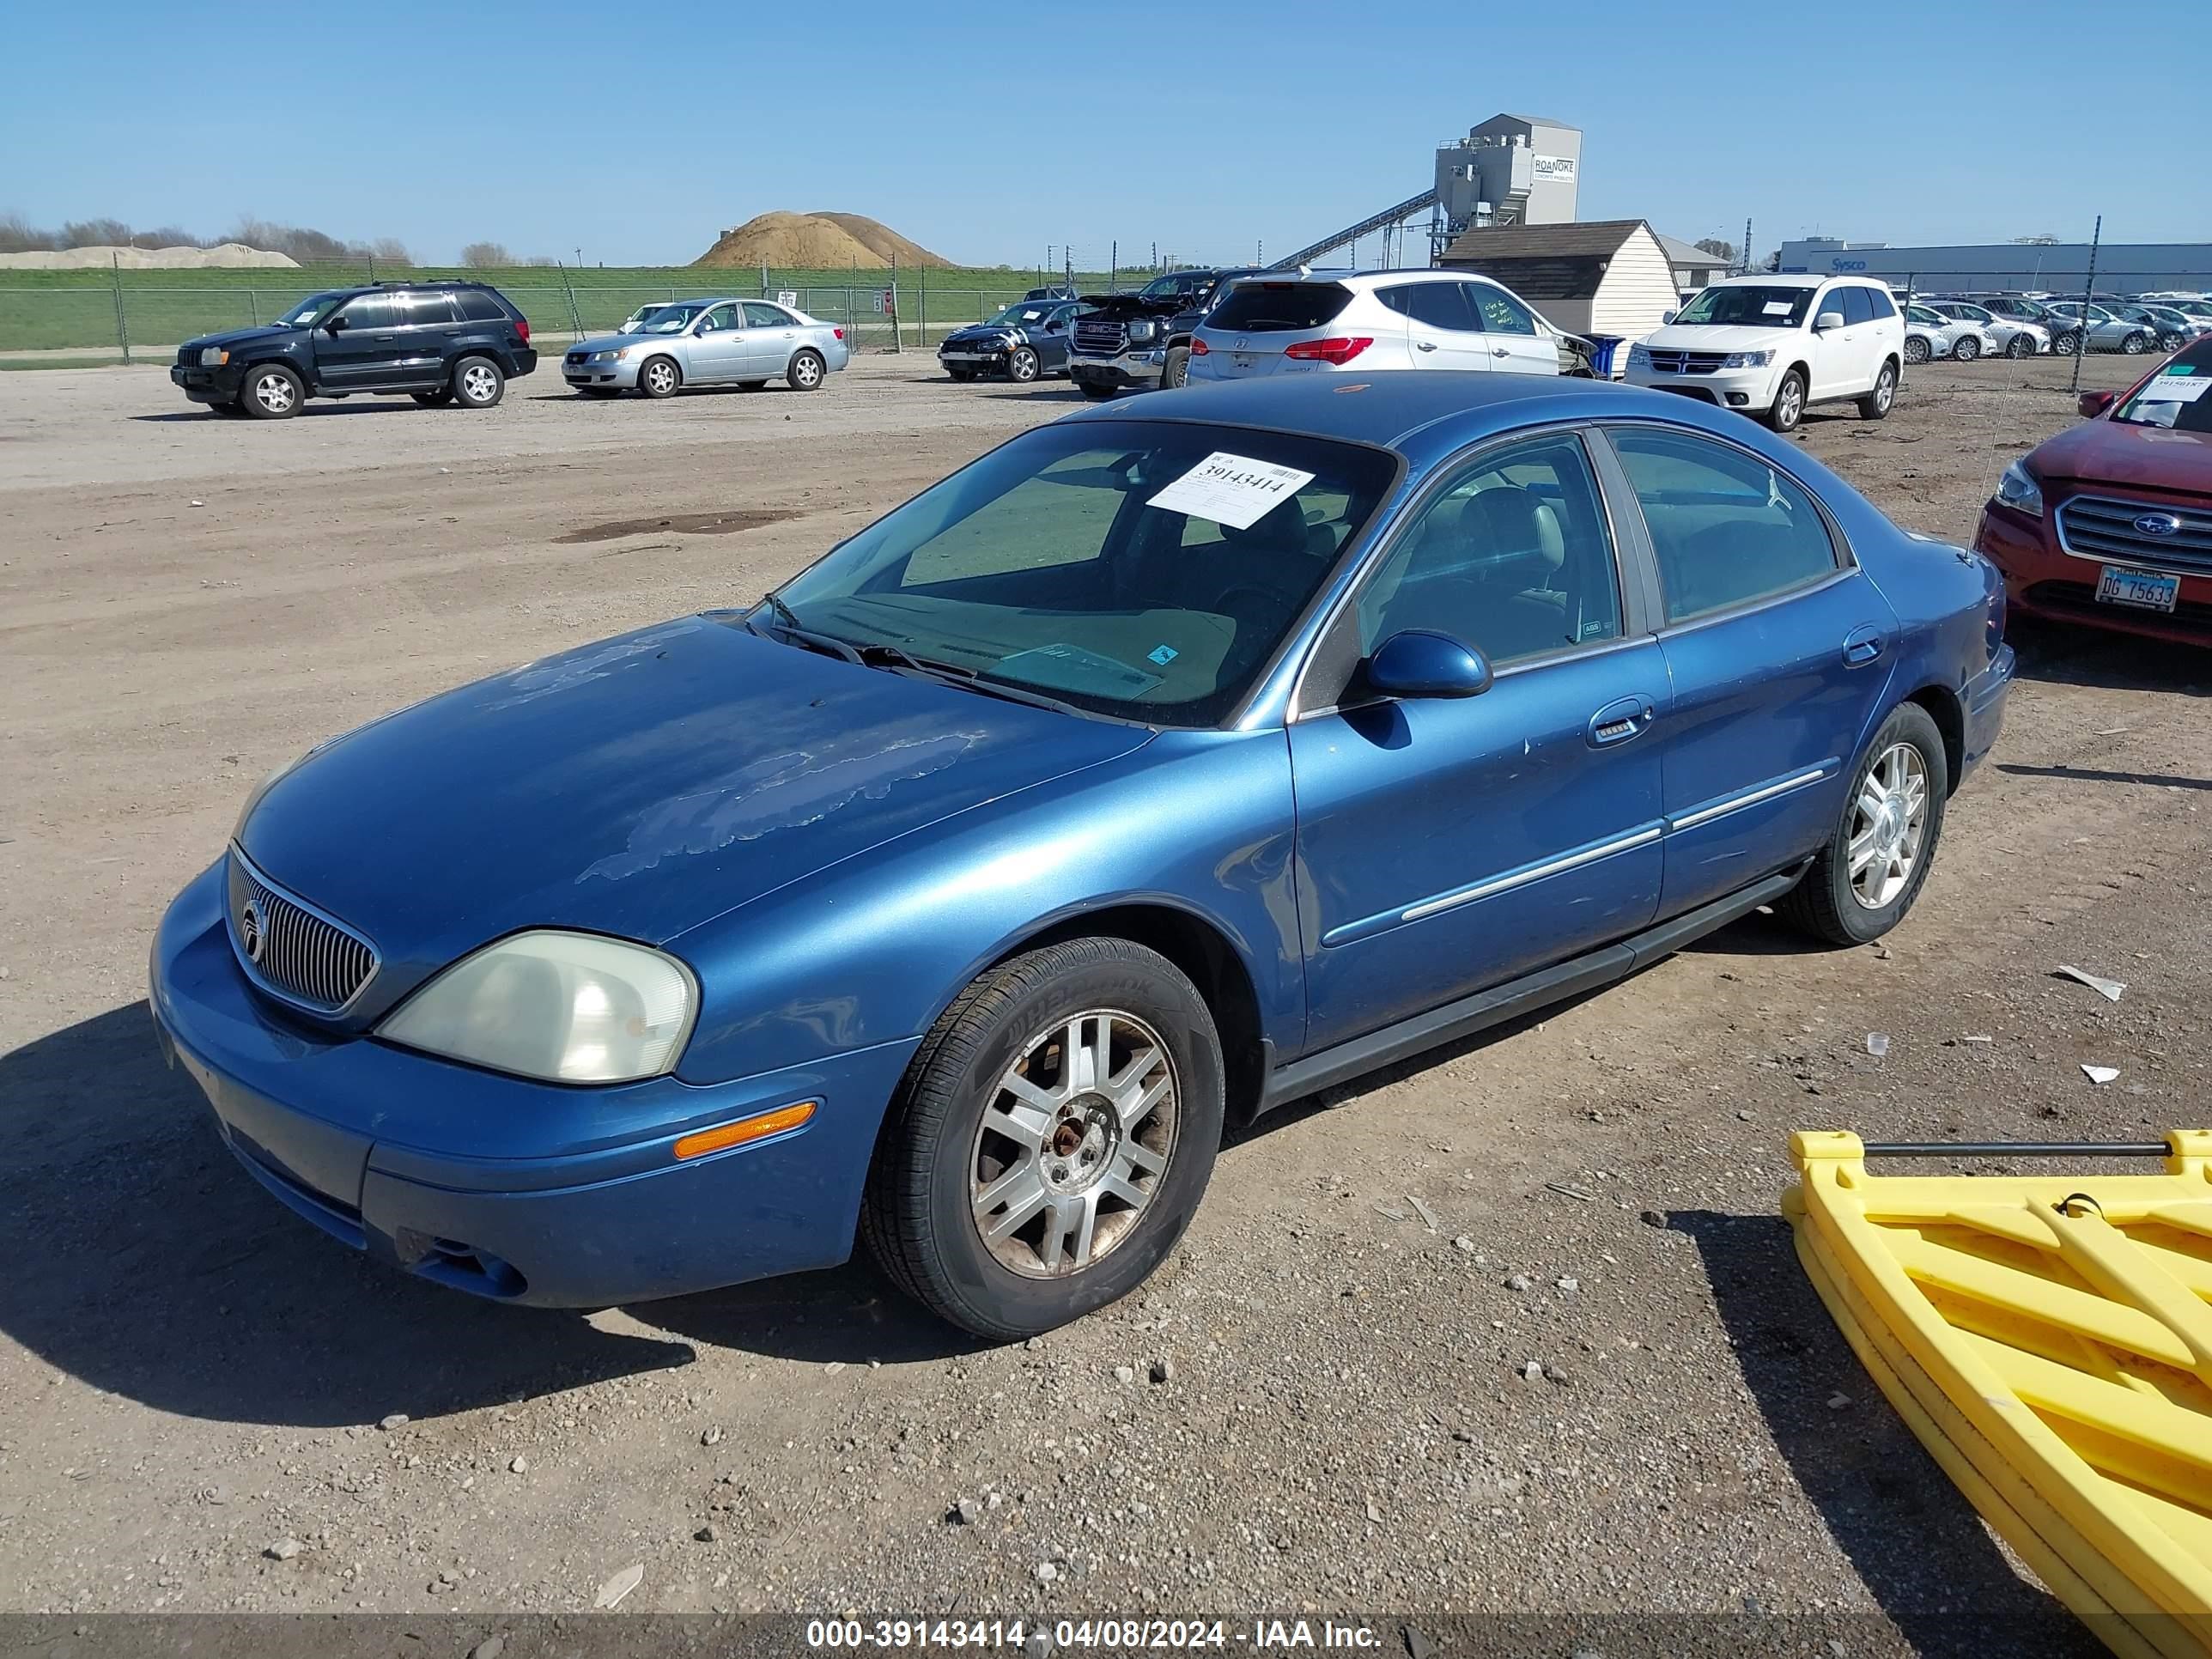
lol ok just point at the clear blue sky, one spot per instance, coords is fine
(636, 133)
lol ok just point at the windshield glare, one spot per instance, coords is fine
(1053, 564)
(1023, 316)
(310, 311)
(667, 320)
(1753, 307)
(2178, 397)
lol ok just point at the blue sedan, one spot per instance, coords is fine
(1169, 762)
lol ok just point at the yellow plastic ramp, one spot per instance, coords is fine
(2049, 1339)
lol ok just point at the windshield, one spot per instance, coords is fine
(2178, 397)
(667, 320)
(1176, 286)
(1143, 569)
(1749, 307)
(1023, 316)
(310, 311)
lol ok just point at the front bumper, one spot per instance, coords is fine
(620, 373)
(209, 385)
(2043, 580)
(1138, 367)
(523, 1192)
(1748, 389)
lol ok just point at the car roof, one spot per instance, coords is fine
(1783, 279)
(1423, 413)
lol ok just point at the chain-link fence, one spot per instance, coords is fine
(144, 322)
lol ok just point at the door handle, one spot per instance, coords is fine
(1862, 646)
(1620, 721)
(1425, 345)
(1499, 351)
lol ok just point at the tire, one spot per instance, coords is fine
(1097, 394)
(2136, 345)
(1966, 349)
(1829, 903)
(271, 392)
(2021, 345)
(1877, 403)
(2066, 345)
(944, 1145)
(477, 383)
(1021, 365)
(1915, 349)
(659, 377)
(2171, 342)
(1789, 406)
(436, 399)
(807, 370)
(1176, 371)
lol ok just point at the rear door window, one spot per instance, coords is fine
(1854, 301)
(758, 315)
(432, 310)
(1279, 308)
(1883, 306)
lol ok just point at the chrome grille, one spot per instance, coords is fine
(1685, 363)
(1098, 337)
(2100, 527)
(291, 950)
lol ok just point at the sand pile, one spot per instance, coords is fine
(817, 241)
(229, 255)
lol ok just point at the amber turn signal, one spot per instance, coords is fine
(723, 1135)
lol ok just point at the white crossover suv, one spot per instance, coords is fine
(1292, 322)
(1771, 345)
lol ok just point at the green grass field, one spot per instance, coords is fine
(75, 311)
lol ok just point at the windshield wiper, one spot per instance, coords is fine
(789, 625)
(878, 654)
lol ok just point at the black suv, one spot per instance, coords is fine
(445, 343)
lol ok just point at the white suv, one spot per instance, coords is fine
(1770, 345)
(1300, 322)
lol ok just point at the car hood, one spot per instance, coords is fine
(1719, 337)
(608, 342)
(987, 331)
(638, 786)
(241, 337)
(2120, 452)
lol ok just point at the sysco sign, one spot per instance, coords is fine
(1847, 264)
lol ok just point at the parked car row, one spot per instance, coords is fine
(460, 342)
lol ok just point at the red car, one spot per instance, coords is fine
(2110, 523)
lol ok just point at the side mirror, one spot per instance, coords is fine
(1055, 327)
(1420, 663)
(1667, 317)
(337, 324)
(2094, 403)
(1826, 320)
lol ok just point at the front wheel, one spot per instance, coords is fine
(1864, 880)
(806, 371)
(1915, 348)
(1875, 405)
(1966, 349)
(271, 392)
(2019, 345)
(2136, 345)
(2171, 342)
(1789, 406)
(1051, 1140)
(2065, 345)
(477, 383)
(659, 377)
(1021, 365)
(1176, 370)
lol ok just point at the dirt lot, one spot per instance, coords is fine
(189, 1376)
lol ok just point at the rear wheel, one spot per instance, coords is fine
(2021, 344)
(1875, 405)
(271, 392)
(1966, 349)
(1864, 880)
(1052, 1139)
(477, 383)
(1176, 370)
(659, 377)
(1789, 406)
(806, 370)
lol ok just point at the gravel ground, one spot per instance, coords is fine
(1323, 1402)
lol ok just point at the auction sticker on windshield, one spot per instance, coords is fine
(2174, 388)
(1232, 490)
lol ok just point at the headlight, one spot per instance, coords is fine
(1747, 359)
(565, 1008)
(1639, 356)
(213, 357)
(2019, 491)
(1141, 330)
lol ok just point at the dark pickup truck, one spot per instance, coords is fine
(442, 342)
(1141, 341)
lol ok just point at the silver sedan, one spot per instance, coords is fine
(746, 342)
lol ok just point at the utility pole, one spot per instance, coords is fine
(1113, 266)
(2088, 294)
(1747, 244)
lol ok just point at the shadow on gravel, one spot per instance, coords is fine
(141, 1259)
(312, 410)
(1914, 1538)
(2060, 655)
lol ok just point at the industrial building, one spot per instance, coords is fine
(2055, 267)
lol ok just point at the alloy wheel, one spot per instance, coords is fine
(1793, 403)
(660, 378)
(1074, 1143)
(805, 372)
(478, 383)
(1889, 825)
(274, 393)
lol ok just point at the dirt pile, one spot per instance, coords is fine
(818, 241)
(228, 255)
